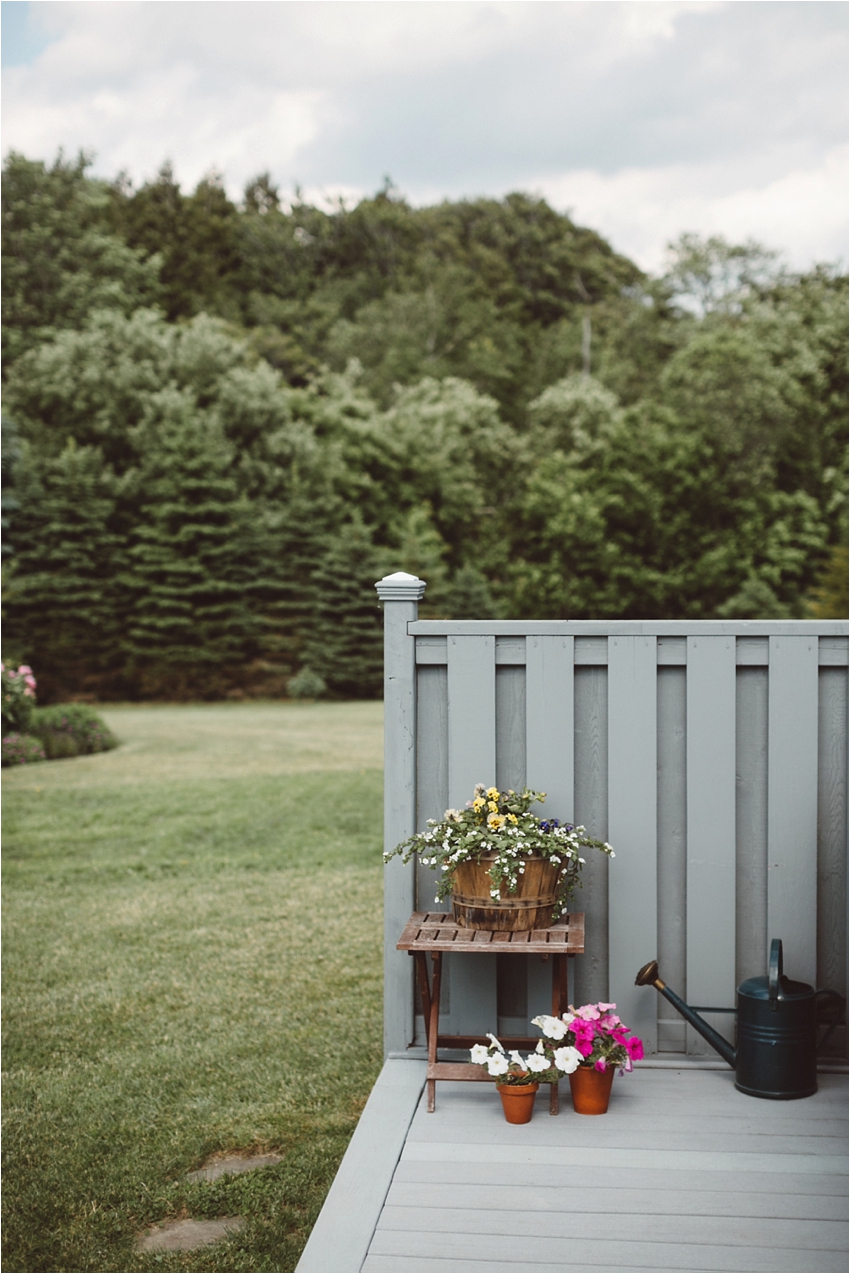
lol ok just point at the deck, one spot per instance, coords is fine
(683, 1173)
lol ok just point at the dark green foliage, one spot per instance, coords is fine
(71, 729)
(61, 595)
(195, 235)
(187, 577)
(345, 644)
(60, 260)
(480, 392)
(21, 749)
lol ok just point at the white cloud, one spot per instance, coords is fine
(648, 118)
(641, 210)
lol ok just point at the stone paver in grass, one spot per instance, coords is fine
(231, 1166)
(182, 1236)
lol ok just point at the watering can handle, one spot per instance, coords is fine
(774, 970)
(839, 1006)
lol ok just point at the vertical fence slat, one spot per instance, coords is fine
(549, 722)
(792, 801)
(432, 770)
(472, 715)
(510, 728)
(711, 827)
(549, 751)
(672, 850)
(472, 759)
(632, 827)
(591, 810)
(751, 823)
(832, 838)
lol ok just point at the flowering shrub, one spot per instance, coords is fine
(18, 749)
(596, 1033)
(500, 823)
(18, 689)
(71, 729)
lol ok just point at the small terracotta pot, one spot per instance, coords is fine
(518, 1101)
(591, 1090)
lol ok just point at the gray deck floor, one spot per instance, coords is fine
(683, 1173)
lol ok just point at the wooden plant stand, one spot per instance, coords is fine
(433, 933)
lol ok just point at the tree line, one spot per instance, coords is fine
(223, 422)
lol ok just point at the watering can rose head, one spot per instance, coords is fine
(595, 1033)
(500, 824)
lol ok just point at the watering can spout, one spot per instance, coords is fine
(648, 976)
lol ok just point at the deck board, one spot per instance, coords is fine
(683, 1173)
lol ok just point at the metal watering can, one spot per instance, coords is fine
(777, 1048)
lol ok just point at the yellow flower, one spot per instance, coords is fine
(478, 803)
(495, 821)
(513, 818)
(493, 807)
(493, 793)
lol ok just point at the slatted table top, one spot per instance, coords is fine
(437, 931)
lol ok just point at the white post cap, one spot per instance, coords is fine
(400, 587)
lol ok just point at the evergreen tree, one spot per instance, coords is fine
(345, 645)
(60, 599)
(189, 568)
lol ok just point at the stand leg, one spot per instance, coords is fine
(560, 995)
(433, 1030)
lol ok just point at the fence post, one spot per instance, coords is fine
(400, 594)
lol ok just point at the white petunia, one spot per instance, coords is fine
(479, 1054)
(536, 1062)
(516, 1058)
(494, 1042)
(552, 1027)
(567, 1059)
(498, 1064)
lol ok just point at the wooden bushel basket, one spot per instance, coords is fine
(531, 907)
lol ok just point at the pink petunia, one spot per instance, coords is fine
(600, 1065)
(585, 1047)
(589, 1012)
(634, 1048)
(604, 1008)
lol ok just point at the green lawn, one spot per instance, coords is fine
(173, 983)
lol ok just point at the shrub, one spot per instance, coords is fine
(18, 698)
(306, 685)
(71, 729)
(18, 749)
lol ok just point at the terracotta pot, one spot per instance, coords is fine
(591, 1090)
(518, 1101)
(531, 907)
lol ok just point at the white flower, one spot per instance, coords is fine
(498, 1064)
(479, 1054)
(567, 1059)
(536, 1062)
(552, 1027)
(494, 1042)
(516, 1058)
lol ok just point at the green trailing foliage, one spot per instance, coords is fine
(198, 499)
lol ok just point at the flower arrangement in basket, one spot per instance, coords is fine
(505, 867)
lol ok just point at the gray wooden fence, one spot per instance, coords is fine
(711, 754)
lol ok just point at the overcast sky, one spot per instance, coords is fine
(642, 119)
